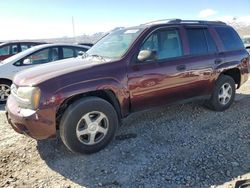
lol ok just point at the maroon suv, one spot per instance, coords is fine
(128, 70)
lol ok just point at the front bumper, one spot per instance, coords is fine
(39, 125)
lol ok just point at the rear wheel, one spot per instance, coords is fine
(223, 94)
(88, 125)
(4, 90)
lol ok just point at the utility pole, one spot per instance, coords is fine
(73, 27)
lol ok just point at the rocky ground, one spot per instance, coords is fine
(175, 146)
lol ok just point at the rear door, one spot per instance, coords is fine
(202, 58)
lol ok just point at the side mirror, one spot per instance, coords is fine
(81, 53)
(146, 55)
(27, 62)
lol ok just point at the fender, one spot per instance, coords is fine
(87, 86)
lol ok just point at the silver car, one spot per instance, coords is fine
(33, 56)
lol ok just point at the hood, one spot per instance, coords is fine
(38, 74)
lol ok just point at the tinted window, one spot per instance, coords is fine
(44, 56)
(14, 49)
(166, 43)
(24, 47)
(229, 38)
(5, 50)
(197, 41)
(68, 53)
(210, 42)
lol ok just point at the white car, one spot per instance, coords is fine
(34, 56)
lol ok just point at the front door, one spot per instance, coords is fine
(163, 79)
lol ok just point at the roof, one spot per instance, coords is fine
(11, 42)
(60, 44)
(180, 21)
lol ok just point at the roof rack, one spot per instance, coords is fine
(178, 21)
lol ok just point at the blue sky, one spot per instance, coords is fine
(53, 18)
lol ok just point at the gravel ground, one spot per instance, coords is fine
(172, 146)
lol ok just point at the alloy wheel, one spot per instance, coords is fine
(225, 93)
(4, 92)
(92, 128)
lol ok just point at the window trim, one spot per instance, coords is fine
(135, 61)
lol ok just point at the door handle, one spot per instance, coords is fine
(181, 67)
(218, 61)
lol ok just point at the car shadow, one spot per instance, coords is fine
(177, 145)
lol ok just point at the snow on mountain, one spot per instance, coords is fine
(241, 24)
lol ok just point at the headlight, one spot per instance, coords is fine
(30, 97)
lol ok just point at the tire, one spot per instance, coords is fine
(88, 125)
(222, 99)
(4, 90)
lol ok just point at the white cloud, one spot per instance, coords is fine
(207, 13)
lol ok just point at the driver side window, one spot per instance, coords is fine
(166, 44)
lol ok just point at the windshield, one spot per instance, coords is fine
(116, 44)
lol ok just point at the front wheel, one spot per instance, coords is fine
(4, 91)
(88, 125)
(223, 94)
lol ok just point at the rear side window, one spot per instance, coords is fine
(210, 42)
(200, 41)
(229, 38)
(197, 41)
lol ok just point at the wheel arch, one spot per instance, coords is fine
(233, 73)
(105, 94)
(5, 80)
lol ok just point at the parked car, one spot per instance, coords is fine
(128, 70)
(246, 41)
(9, 49)
(33, 56)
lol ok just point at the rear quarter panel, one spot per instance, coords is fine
(235, 59)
